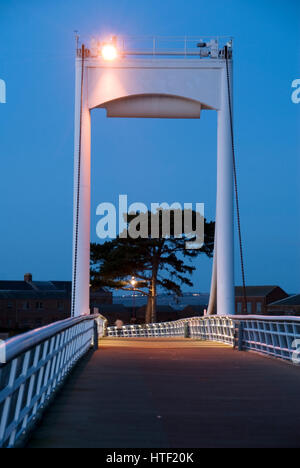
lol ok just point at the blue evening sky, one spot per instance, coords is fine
(150, 160)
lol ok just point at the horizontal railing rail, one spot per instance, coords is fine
(277, 336)
(180, 46)
(167, 329)
(36, 364)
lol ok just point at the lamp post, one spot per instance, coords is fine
(133, 283)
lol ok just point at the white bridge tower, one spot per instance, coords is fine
(164, 78)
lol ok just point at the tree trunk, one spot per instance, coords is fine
(148, 310)
(153, 301)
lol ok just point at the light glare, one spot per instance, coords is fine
(133, 281)
(109, 52)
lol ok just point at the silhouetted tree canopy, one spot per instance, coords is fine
(163, 263)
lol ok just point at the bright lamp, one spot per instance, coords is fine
(109, 52)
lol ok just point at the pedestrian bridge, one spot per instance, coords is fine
(151, 387)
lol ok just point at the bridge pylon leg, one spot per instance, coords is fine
(225, 210)
(82, 199)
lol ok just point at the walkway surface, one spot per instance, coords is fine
(174, 393)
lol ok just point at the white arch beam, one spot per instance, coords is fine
(159, 106)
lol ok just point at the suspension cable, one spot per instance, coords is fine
(78, 185)
(236, 185)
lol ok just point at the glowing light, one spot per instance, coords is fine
(109, 52)
(133, 281)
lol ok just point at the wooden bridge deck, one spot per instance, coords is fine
(174, 393)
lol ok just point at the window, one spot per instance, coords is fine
(39, 305)
(10, 305)
(239, 307)
(60, 305)
(258, 307)
(249, 307)
(26, 305)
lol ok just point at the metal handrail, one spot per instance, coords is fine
(37, 364)
(268, 318)
(22, 343)
(276, 336)
(181, 46)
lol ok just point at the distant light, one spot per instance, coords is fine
(133, 281)
(109, 52)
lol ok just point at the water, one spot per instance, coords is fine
(165, 299)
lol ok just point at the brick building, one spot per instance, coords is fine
(196, 310)
(164, 313)
(258, 298)
(29, 304)
(112, 312)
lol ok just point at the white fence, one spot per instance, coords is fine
(38, 362)
(36, 365)
(217, 328)
(275, 336)
(167, 329)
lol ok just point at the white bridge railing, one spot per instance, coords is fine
(275, 336)
(217, 328)
(167, 329)
(37, 364)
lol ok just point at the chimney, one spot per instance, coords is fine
(28, 277)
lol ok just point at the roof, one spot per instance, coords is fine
(45, 289)
(65, 285)
(255, 290)
(15, 286)
(32, 286)
(32, 294)
(291, 300)
(45, 286)
(32, 290)
(114, 311)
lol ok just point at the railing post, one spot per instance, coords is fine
(187, 333)
(240, 336)
(96, 336)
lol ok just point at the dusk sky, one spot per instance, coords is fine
(150, 160)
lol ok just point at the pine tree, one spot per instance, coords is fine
(161, 263)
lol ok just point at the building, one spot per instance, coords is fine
(112, 312)
(164, 313)
(196, 310)
(258, 298)
(29, 304)
(288, 306)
